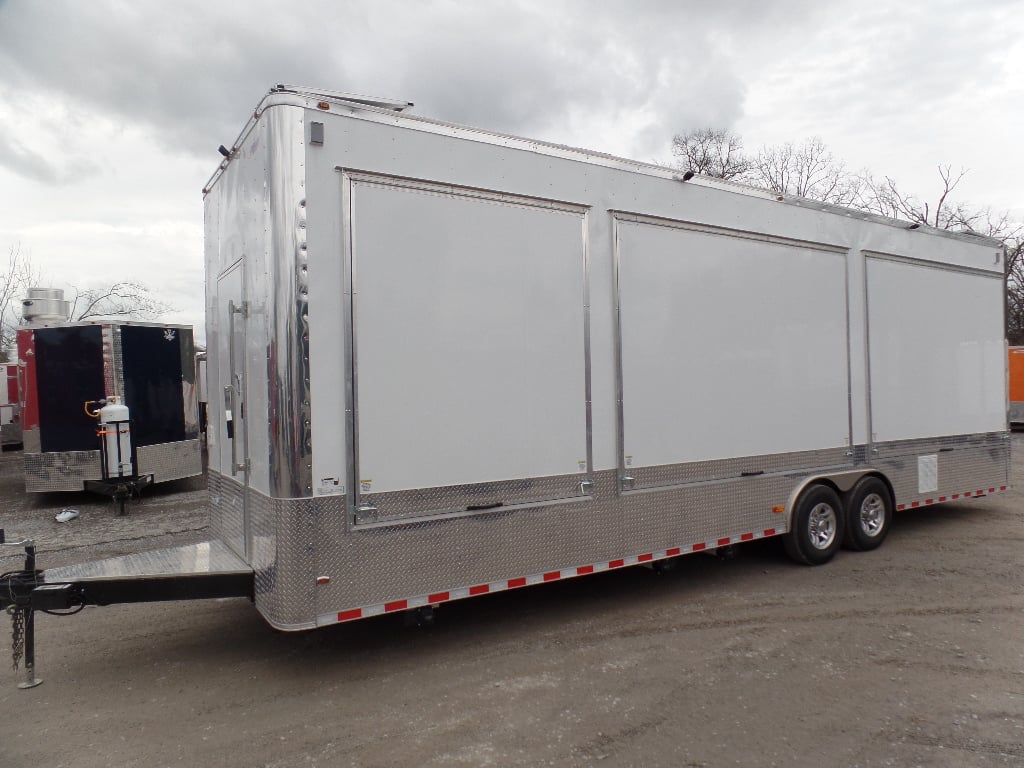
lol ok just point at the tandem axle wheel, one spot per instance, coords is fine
(823, 521)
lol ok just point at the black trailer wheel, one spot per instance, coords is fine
(868, 514)
(816, 531)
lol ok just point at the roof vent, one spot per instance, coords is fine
(45, 305)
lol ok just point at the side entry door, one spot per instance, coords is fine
(232, 443)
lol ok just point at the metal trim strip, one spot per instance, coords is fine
(113, 323)
(620, 417)
(824, 470)
(587, 373)
(456, 190)
(349, 336)
(455, 500)
(867, 356)
(433, 517)
(939, 265)
(915, 446)
(113, 364)
(290, 441)
(741, 234)
(849, 358)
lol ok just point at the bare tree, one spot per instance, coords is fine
(126, 299)
(807, 170)
(711, 152)
(884, 197)
(1015, 289)
(14, 284)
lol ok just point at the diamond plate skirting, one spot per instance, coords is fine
(964, 464)
(171, 461)
(226, 522)
(700, 471)
(68, 470)
(312, 560)
(60, 471)
(402, 505)
(278, 543)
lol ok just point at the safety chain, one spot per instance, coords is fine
(17, 634)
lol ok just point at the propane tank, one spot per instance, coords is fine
(117, 439)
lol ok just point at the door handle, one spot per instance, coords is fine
(231, 394)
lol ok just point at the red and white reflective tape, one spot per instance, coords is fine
(952, 497)
(459, 593)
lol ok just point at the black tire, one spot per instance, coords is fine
(816, 530)
(868, 514)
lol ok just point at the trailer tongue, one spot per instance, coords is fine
(192, 572)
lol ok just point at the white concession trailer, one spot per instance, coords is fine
(445, 362)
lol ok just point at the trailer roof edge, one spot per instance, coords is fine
(394, 112)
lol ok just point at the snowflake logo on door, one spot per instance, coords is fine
(169, 334)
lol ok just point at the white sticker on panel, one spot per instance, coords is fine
(330, 486)
(927, 473)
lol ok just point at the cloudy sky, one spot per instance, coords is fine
(111, 111)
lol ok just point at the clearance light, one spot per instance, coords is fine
(323, 105)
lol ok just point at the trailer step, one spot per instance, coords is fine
(205, 557)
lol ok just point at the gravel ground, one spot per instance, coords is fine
(911, 655)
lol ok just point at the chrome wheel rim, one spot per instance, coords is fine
(872, 515)
(822, 525)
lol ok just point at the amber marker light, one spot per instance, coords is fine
(778, 509)
(323, 579)
(323, 105)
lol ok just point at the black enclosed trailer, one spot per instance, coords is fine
(70, 369)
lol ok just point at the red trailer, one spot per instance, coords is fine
(10, 407)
